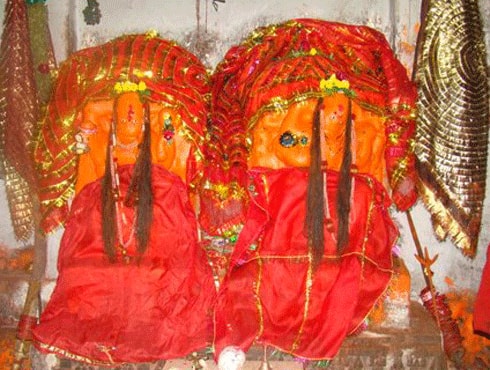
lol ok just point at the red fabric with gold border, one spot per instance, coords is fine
(159, 308)
(273, 295)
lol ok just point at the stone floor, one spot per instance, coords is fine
(416, 347)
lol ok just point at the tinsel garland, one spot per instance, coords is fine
(18, 117)
(27, 59)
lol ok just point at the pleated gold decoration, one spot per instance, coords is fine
(452, 133)
(19, 113)
(19, 197)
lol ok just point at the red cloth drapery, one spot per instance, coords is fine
(481, 310)
(273, 295)
(159, 308)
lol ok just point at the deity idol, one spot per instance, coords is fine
(318, 119)
(124, 131)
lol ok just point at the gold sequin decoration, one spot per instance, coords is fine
(453, 120)
(20, 202)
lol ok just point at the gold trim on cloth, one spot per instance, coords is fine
(260, 310)
(307, 259)
(369, 225)
(453, 120)
(71, 356)
(308, 285)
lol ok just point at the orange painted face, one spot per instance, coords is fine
(95, 123)
(169, 148)
(129, 118)
(283, 138)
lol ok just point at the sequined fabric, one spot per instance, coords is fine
(19, 112)
(452, 130)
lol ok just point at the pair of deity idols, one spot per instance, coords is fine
(249, 206)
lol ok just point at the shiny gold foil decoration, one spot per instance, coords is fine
(19, 113)
(19, 197)
(452, 132)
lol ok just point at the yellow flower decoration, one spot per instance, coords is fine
(125, 86)
(129, 86)
(334, 85)
(313, 51)
(150, 34)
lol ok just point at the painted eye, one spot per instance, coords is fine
(303, 140)
(288, 139)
